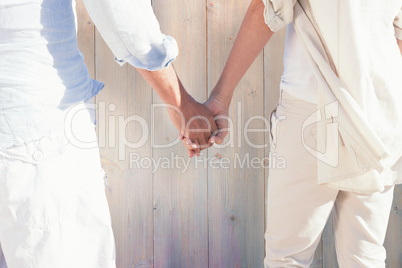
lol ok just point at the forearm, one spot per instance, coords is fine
(194, 121)
(400, 45)
(251, 39)
(166, 84)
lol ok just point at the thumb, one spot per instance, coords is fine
(218, 138)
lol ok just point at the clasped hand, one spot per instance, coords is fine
(200, 125)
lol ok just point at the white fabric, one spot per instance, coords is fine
(357, 67)
(298, 208)
(298, 78)
(398, 25)
(132, 32)
(53, 207)
(278, 13)
(3, 263)
(42, 72)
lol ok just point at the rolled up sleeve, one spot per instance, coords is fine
(278, 13)
(398, 25)
(132, 32)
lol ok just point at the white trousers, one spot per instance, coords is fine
(298, 208)
(53, 207)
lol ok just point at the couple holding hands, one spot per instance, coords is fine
(338, 124)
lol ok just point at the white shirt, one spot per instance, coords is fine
(132, 32)
(42, 72)
(298, 77)
(358, 66)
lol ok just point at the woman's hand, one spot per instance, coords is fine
(219, 111)
(195, 123)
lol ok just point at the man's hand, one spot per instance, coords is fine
(193, 120)
(220, 114)
(195, 123)
(251, 39)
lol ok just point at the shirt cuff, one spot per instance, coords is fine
(274, 20)
(157, 58)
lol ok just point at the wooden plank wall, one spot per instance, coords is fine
(199, 216)
(235, 194)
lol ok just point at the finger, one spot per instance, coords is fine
(187, 145)
(208, 139)
(212, 139)
(190, 153)
(214, 131)
(196, 151)
(218, 138)
(195, 154)
(196, 146)
(181, 137)
(202, 144)
(205, 143)
(214, 128)
(191, 145)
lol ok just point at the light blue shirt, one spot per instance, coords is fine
(42, 72)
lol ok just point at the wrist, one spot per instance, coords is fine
(167, 85)
(224, 97)
(174, 94)
(180, 98)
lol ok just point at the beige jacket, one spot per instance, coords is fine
(359, 73)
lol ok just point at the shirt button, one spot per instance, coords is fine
(37, 156)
